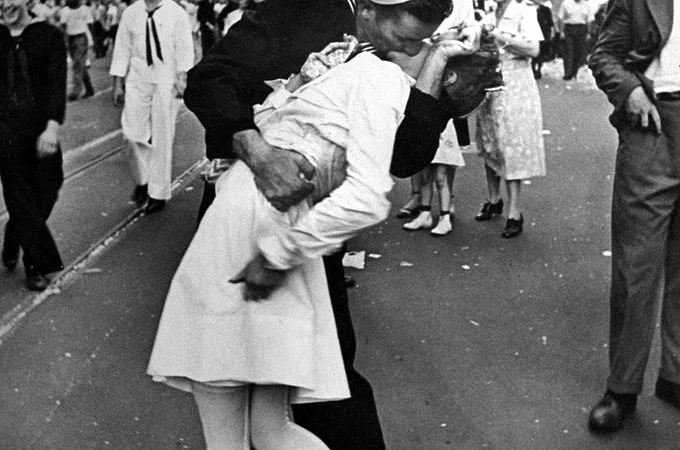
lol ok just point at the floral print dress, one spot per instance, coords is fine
(510, 122)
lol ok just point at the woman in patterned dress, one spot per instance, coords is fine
(510, 121)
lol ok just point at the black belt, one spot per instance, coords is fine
(668, 96)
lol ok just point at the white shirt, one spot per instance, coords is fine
(76, 20)
(575, 13)
(519, 20)
(42, 12)
(355, 109)
(177, 47)
(463, 13)
(112, 15)
(665, 69)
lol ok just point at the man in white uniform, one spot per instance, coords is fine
(152, 54)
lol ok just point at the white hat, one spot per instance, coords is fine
(389, 2)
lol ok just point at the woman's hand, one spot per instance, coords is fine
(260, 280)
(48, 141)
(319, 63)
(453, 43)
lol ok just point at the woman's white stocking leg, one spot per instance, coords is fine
(272, 427)
(224, 415)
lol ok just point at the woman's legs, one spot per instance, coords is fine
(424, 218)
(224, 415)
(493, 184)
(441, 179)
(513, 189)
(515, 222)
(272, 427)
(493, 206)
(451, 178)
(413, 206)
(444, 190)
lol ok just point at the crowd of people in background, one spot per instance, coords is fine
(154, 45)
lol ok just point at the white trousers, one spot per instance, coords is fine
(148, 123)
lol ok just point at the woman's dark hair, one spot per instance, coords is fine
(427, 11)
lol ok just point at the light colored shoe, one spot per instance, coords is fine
(443, 227)
(424, 220)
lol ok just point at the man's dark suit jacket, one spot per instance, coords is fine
(274, 41)
(632, 35)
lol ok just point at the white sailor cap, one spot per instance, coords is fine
(390, 2)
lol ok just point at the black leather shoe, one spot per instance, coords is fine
(489, 210)
(409, 210)
(141, 194)
(154, 206)
(611, 412)
(513, 227)
(350, 282)
(10, 262)
(668, 391)
(37, 282)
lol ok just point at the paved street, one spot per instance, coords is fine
(470, 341)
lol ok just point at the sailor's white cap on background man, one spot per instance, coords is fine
(389, 2)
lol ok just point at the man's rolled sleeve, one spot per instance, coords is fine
(361, 200)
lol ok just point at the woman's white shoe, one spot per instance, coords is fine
(424, 220)
(443, 227)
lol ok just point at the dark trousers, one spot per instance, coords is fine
(31, 188)
(99, 38)
(575, 45)
(350, 424)
(646, 252)
(208, 38)
(77, 49)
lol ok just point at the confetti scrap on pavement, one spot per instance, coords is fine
(405, 264)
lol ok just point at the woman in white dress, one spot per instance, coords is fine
(510, 122)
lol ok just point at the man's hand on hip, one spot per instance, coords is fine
(283, 176)
(640, 108)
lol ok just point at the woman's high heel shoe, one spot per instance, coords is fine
(489, 210)
(513, 227)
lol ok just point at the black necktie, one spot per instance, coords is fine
(149, 56)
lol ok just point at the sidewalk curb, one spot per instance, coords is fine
(11, 320)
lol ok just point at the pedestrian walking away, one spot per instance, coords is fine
(636, 63)
(221, 91)
(32, 106)
(546, 50)
(151, 56)
(76, 18)
(574, 18)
